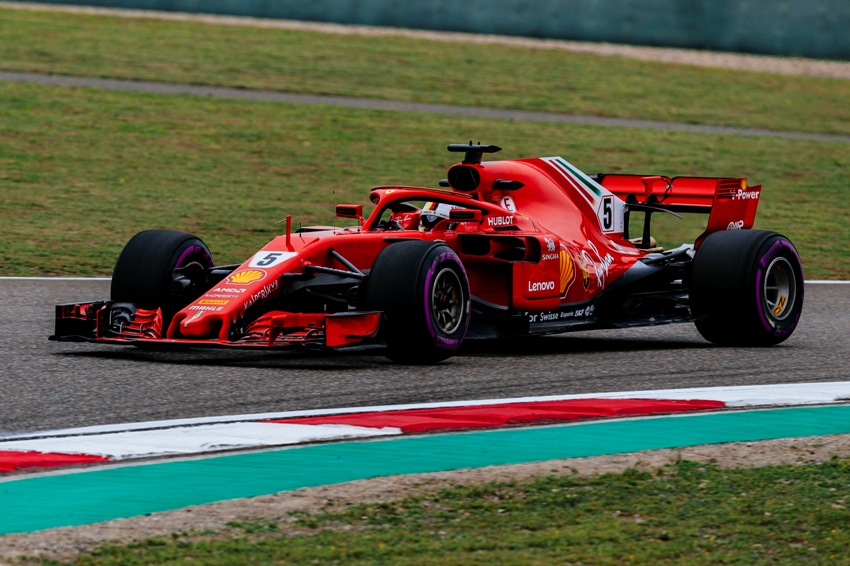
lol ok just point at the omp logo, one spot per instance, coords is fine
(246, 277)
(541, 286)
(739, 225)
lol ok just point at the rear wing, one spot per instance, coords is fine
(730, 202)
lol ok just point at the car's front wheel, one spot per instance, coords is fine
(144, 272)
(423, 291)
(746, 288)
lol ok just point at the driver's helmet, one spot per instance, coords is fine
(433, 213)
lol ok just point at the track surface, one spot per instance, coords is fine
(46, 385)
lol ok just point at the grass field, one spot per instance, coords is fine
(686, 513)
(82, 170)
(399, 68)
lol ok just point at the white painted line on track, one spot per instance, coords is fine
(194, 440)
(736, 396)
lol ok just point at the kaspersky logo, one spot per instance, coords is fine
(246, 277)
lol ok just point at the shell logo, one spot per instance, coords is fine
(246, 277)
(568, 271)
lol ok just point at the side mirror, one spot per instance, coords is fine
(350, 211)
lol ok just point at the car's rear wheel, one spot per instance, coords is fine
(746, 288)
(144, 272)
(423, 291)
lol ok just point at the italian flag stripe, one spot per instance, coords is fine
(582, 178)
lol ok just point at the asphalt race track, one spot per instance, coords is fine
(48, 385)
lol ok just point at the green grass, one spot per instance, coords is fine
(687, 513)
(82, 170)
(397, 68)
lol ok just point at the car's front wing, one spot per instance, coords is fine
(123, 323)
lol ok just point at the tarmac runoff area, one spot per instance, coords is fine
(327, 447)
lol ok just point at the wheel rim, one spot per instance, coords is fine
(447, 301)
(780, 289)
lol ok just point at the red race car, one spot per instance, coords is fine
(508, 248)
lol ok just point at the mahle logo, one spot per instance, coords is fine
(246, 277)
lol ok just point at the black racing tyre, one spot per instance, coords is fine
(143, 272)
(746, 288)
(423, 290)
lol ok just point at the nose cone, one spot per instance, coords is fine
(201, 324)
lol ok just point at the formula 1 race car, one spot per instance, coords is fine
(506, 249)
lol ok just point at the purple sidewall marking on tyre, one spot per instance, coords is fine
(446, 343)
(188, 252)
(767, 257)
(759, 278)
(773, 252)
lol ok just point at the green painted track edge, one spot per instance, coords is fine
(93, 495)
